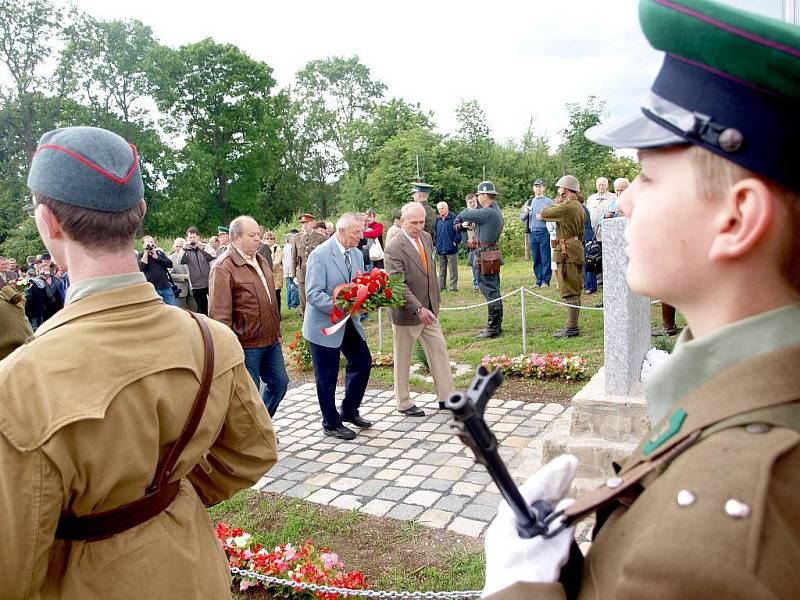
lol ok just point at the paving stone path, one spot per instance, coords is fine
(402, 467)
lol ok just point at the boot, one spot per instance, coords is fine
(571, 330)
(495, 318)
(668, 326)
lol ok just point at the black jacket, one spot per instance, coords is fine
(155, 269)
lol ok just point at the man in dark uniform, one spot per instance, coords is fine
(488, 222)
(420, 192)
(302, 245)
(707, 505)
(569, 216)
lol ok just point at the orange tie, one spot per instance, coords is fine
(422, 254)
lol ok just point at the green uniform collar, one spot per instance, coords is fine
(95, 285)
(696, 360)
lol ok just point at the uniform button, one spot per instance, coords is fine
(737, 509)
(731, 140)
(686, 498)
(613, 482)
(756, 428)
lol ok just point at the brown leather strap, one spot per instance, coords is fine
(159, 494)
(623, 485)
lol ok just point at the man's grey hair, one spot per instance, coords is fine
(410, 207)
(599, 179)
(348, 219)
(619, 180)
(443, 204)
(236, 228)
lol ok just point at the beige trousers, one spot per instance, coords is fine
(432, 340)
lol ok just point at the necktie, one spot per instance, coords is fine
(347, 264)
(422, 254)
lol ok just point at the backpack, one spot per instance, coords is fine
(594, 256)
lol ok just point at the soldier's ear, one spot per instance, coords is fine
(743, 219)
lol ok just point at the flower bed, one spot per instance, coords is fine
(300, 353)
(570, 367)
(304, 564)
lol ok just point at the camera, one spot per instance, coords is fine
(149, 246)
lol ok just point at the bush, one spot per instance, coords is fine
(22, 241)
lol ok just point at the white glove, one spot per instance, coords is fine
(510, 558)
(295, 281)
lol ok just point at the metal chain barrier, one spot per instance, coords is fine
(313, 587)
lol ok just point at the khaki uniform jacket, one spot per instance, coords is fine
(303, 243)
(14, 325)
(657, 548)
(106, 384)
(430, 218)
(422, 288)
(569, 218)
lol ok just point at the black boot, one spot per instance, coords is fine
(494, 320)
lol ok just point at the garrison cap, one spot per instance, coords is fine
(486, 187)
(222, 229)
(730, 83)
(419, 186)
(88, 167)
(306, 217)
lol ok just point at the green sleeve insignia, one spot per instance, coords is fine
(670, 428)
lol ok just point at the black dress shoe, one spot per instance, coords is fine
(488, 334)
(413, 411)
(358, 421)
(341, 432)
(442, 406)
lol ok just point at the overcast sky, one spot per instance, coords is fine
(520, 60)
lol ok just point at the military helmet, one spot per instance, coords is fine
(569, 182)
(487, 187)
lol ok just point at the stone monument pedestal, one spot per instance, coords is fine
(608, 417)
(599, 428)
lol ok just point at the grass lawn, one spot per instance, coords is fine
(460, 328)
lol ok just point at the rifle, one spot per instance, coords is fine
(468, 409)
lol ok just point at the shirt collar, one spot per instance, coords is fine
(342, 249)
(95, 285)
(696, 360)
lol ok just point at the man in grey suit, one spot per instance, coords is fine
(334, 262)
(410, 253)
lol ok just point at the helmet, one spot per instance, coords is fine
(487, 187)
(569, 182)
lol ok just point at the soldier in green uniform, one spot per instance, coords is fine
(421, 192)
(568, 215)
(302, 245)
(488, 222)
(707, 506)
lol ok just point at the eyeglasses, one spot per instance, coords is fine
(30, 208)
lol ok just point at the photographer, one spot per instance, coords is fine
(154, 264)
(198, 257)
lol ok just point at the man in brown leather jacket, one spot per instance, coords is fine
(242, 295)
(128, 370)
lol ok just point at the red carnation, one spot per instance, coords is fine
(372, 287)
(388, 293)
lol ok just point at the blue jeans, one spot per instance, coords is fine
(474, 265)
(292, 293)
(167, 295)
(540, 252)
(326, 371)
(266, 364)
(589, 280)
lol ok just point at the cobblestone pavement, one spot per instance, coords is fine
(404, 468)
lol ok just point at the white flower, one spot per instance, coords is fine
(242, 541)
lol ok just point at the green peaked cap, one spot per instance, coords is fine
(752, 48)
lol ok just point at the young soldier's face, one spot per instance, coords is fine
(669, 230)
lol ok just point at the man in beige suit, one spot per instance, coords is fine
(410, 253)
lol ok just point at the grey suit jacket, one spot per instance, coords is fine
(422, 289)
(324, 271)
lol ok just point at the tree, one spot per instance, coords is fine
(582, 158)
(33, 34)
(336, 99)
(219, 98)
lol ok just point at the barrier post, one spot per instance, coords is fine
(524, 321)
(380, 329)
